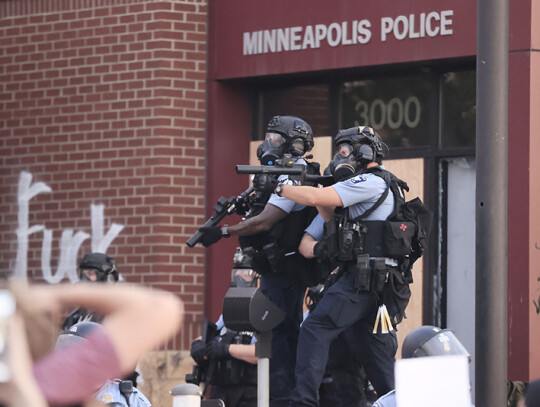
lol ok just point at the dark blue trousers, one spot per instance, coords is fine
(284, 291)
(340, 308)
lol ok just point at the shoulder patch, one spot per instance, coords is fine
(289, 181)
(358, 179)
(107, 398)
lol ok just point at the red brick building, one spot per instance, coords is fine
(104, 104)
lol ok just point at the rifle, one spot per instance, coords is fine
(223, 208)
(297, 172)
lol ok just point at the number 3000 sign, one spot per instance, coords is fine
(394, 113)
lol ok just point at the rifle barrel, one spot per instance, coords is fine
(268, 169)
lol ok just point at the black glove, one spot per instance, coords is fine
(197, 351)
(265, 183)
(319, 250)
(211, 234)
(217, 350)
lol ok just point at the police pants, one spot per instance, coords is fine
(346, 376)
(285, 292)
(340, 308)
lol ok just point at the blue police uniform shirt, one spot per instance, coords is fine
(361, 192)
(110, 393)
(286, 204)
(316, 227)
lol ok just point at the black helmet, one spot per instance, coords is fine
(75, 333)
(103, 265)
(297, 139)
(430, 340)
(371, 146)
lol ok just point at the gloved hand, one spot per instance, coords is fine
(211, 234)
(319, 250)
(197, 351)
(265, 183)
(217, 350)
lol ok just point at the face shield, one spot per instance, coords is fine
(88, 275)
(66, 339)
(443, 344)
(243, 278)
(271, 149)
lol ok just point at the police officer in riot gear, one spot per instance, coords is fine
(348, 363)
(271, 232)
(426, 341)
(227, 362)
(98, 267)
(94, 267)
(359, 194)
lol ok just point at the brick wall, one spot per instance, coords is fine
(103, 102)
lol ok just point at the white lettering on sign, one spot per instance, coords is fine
(431, 24)
(345, 33)
(69, 243)
(300, 38)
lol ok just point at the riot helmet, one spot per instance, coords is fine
(242, 274)
(430, 340)
(98, 267)
(285, 135)
(356, 148)
(75, 333)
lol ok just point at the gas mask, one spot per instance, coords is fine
(243, 278)
(344, 163)
(271, 149)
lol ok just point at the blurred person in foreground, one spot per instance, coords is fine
(135, 321)
(121, 392)
(17, 385)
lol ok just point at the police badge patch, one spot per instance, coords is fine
(107, 398)
(358, 179)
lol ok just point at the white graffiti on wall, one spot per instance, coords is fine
(69, 243)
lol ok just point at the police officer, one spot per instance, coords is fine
(359, 194)
(94, 267)
(228, 362)
(348, 363)
(98, 267)
(425, 341)
(271, 232)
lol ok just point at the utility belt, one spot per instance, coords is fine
(365, 249)
(270, 259)
(370, 273)
(379, 238)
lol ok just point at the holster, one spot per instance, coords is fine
(379, 276)
(275, 257)
(362, 273)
